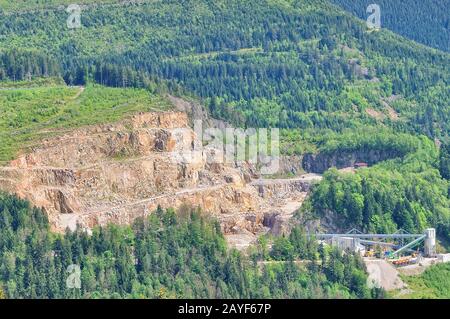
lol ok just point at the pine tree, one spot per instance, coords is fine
(444, 161)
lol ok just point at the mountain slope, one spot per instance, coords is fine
(284, 63)
(164, 256)
(340, 93)
(305, 66)
(427, 22)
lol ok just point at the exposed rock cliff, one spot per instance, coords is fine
(118, 172)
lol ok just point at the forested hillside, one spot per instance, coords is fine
(427, 22)
(406, 193)
(168, 255)
(306, 66)
(292, 64)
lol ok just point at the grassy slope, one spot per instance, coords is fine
(433, 283)
(31, 113)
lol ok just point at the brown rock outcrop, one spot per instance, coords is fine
(115, 173)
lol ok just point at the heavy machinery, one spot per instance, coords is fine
(389, 246)
(406, 260)
(403, 261)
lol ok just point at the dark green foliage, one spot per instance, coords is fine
(291, 64)
(163, 256)
(282, 249)
(444, 161)
(18, 65)
(405, 193)
(427, 22)
(304, 66)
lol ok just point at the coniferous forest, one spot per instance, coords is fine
(169, 255)
(426, 22)
(334, 87)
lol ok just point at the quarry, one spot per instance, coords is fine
(115, 173)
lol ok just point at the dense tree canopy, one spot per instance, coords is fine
(406, 193)
(293, 64)
(167, 255)
(17, 65)
(444, 161)
(334, 87)
(426, 22)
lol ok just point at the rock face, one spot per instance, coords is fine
(319, 163)
(115, 173)
(285, 197)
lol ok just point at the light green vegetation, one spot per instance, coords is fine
(304, 66)
(167, 255)
(433, 283)
(31, 113)
(402, 193)
(37, 82)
